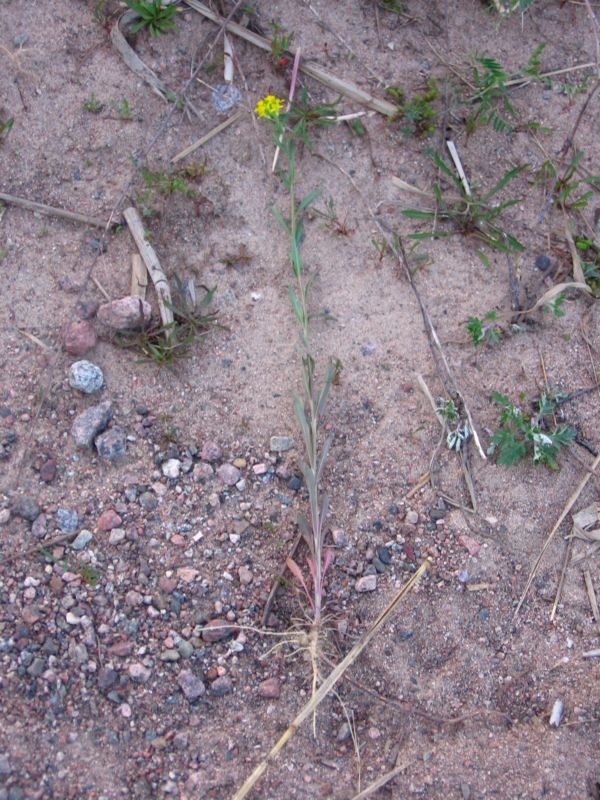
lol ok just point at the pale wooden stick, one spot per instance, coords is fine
(52, 211)
(207, 137)
(569, 505)
(372, 787)
(139, 276)
(308, 67)
(159, 279)
(459, 167)
(328, 684)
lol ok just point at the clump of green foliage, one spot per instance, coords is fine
(590, 262)
(520, 436)
(92, 104)
(166, 344)
(469, 214)
(155, 16)
(280, 44)
(6, 127)
(484, 329)
(168, 184)
(417, 113)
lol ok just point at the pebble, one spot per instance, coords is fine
(245, 575)
(86, 377)
(4, 764)
(281, 444)
(187, 574)
(90, 423)
(4, 516)
(225, 96)
(107, 678)
(125, 314)
(294, 483)
(170, 655)
(166, 584)
(542, 263)
(121, 649)
(80, 337)
(210, 452)
(472, 546)
(67, 520)
(340, 537)
(221, 686)
(87, 308)
(111, 445)
(202, 471)
(171, 468)
(270, 688)
(368, 583)
(185, 648)
(117, 535)
(108, 520)
(216, 630)
(383, 554)
(229, 474)
(148, 501)
(412, 517)
(48, 470)
(191, 686)
(379, 565)
(26, 507)
(82, 540)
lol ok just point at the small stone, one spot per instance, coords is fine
(87, 308)
(126, 314)
(412, 517)
(543, 263)
(36, 668)
(39, 527)
(379, 565)
(185, 648)
(82, 540)
(340, 537)
(48, 470)
(139, 673)
(281, 444)
(229, 474)
(67, 520)
(121, 649)
(117, 535)
(86, 377)
(111, 445)
(80, 337)
(259, 469)
(368, 583)
(472, 546)
(210, 452)
(171, 468)
(167, 585)
(343, 733)
(191, 686)
(4, 764)
(216, 630)
(202, 471)
(148, 501)
(170, 655)
(245, 575)
(294, 483)
(383, 554)
(221, 686)
(187, 574)
(90, 423)
(107, 678)
(26, 507)
(270, 688)
(108, 520)
(240, 463)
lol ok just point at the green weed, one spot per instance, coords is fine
(520, 436)
(6, 127)
(280, 44)
(469, 215)
(417, 113)
(122, 110)
(92, 104)
(485, 329)
(155, 16)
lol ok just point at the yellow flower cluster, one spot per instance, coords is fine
(269, 107)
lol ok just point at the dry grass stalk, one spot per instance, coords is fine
(373, 787)
(52, 211)
(344, 87)
(328, 684)
(159, 279)
(563, 514)
(206, 138)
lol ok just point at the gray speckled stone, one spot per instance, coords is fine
(86, 377)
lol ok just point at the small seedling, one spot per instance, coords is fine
(6, 128)
(92, 104)
(393, 6)
(470, 214)
(122, 110)
(165, 184)
(590, 262)
(555, 306)
(332, 222)
(303, 116)
(458, 432)
(484, 330)
(568, 187)
(490, 102)
(417, 113)
(155, 16)
(280, 44)
(519, 436)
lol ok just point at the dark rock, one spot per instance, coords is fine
(148, 501)
(26, 507)
(383, 554)
(543, 263)
(48, 470)
(218, 629)
(90, 423)
(111, 445)
(221, 686)
(107, 678)
(87, 309)
(269, 688)
(295, 484)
